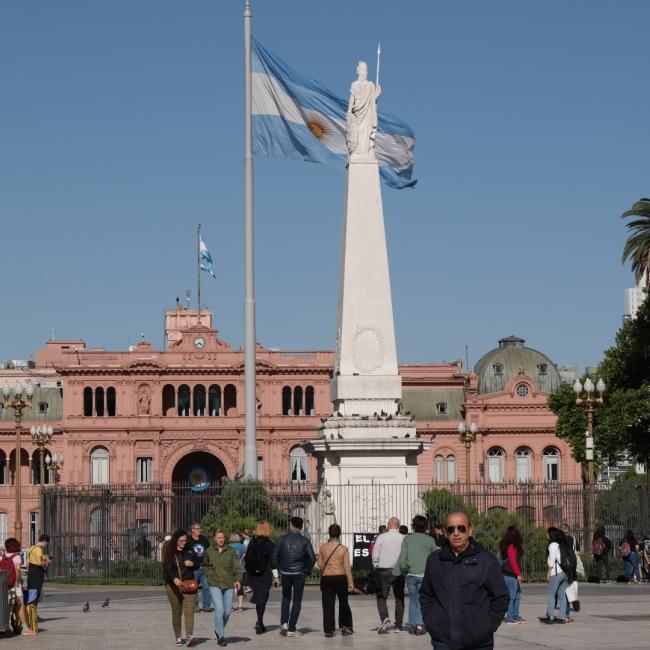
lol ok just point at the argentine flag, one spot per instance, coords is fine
(296, 117)
(206, 258)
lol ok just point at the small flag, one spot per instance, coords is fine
(295, 116)
(206, 258)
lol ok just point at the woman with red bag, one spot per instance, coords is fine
(180, 585)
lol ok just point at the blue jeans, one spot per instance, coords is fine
(557, 586)
(514, 591)
(291, 583)
(413, 584)
(199, 574)
(632, 566)
(222, 600)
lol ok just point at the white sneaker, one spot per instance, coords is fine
(284, 630)
(294, 633)
(385, 627)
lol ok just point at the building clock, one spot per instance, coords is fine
(199, 343)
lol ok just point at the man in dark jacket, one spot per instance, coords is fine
(198, 544)
(463, 595)
(294, 557)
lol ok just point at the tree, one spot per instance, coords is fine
(637, 246)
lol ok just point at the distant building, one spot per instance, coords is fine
(634, 297)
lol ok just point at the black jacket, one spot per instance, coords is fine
(187, 572)
(258, 557)
(293, 554)
(464, 598)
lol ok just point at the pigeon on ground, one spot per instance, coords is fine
(105, 603)
(86, 607)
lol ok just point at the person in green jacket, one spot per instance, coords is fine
(412, 560)
(223, 571)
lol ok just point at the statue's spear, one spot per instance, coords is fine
(378, 59)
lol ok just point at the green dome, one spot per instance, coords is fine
(496, 368)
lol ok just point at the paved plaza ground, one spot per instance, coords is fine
(613, 616)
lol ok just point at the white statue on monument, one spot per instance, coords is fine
(361, 117)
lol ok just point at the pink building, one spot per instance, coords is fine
(176, 415)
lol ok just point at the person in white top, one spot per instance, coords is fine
(557, 581)
(385, 554)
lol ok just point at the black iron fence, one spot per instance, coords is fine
(114, 533)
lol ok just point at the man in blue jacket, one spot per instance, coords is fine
(463, 595)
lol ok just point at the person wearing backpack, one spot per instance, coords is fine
(601, 546)
(10, 562)
(511, 551)
(628, 551)
(261, 573)
(557, 577)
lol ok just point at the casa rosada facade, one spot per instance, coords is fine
(173, 416)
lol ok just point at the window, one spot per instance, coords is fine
(42, 407)
(438, 468)
(214, 400)
(523, 458)
(99, 401)
(88, 401)
(4, 469)
(522, 390)
(144, 470)
(551, 465)
(36, 469)
(199, 400)
(3, 526)
(441, 408)
(230, 400)
(496, 464)
(286, 400)
(451, 469)
(542, 368)
(298, 465)
(309, 400)
(33, 528)
(497, 368)
(110, 401)
(168, 399)
(297, 400)
(183, 400)
(99, 465)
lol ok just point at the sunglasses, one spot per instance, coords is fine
(460, 529)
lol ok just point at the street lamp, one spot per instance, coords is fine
(589, 399)
(18, 398)
(41, 436)
(55, 463)
(467, 435)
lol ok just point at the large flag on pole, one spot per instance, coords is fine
(295, 116)
(206, 258)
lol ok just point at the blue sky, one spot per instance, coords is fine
(121, 129)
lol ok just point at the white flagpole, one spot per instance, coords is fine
(378, 59)
(198, 274)
(250, 406)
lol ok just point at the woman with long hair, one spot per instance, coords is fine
(180, 562)
(12, 552)
(601, 546)
(557, 580)
(511, 549)
(261, 574)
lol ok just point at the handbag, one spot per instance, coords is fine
(190, 586)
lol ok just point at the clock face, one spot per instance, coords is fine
(199, 342)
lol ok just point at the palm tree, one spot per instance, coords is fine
(637, 246)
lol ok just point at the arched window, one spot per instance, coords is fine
(297, 401)
(527, 513)
(183, 400)
(198, 406)
(88, 401)
(286, 400)
(4, 468)
(496, 464)
(36, 468)
(451, 469)
(551, 465)
(439, 468)
(309, 400)
(298, 465)
(110, 401)
(168, 399)
(230, 400)
(99, 401)
(214, 400)
(99, 466)
(523, 460)
(4, 533)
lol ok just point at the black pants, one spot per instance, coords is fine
(439, 645)
(333, 587)
(292, 583)
(385, 581)
(261, 587)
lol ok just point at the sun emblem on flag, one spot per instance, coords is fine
(318, 126)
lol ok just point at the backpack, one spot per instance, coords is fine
(598, 546)
(256, 557)
(624, 549)
(568, 562)
(7, 564)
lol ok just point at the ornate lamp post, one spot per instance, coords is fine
(589, 399)
(467, 435)
(18, 398)
(55, 463)
(41, 436)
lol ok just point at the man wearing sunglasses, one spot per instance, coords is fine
(463, 595)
